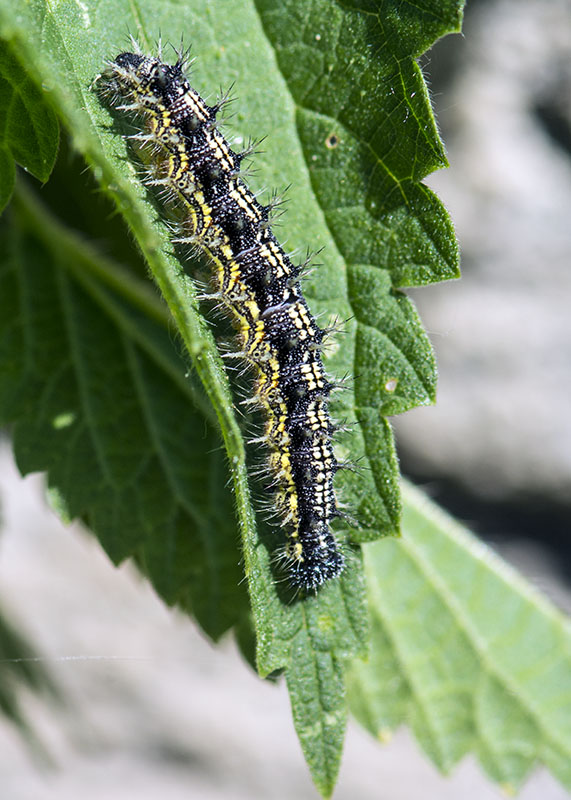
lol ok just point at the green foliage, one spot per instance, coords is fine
(463, 650)
(99, 389)
(98, 394)
(28, 126)
(20, 671)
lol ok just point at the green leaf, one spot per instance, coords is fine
(100, 402)
(29, 131)
(465, 651)
(336, 91)
(316, 683)
(20, 669)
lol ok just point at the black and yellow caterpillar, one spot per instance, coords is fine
(193, 166)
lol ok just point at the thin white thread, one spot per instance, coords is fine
(74, 658)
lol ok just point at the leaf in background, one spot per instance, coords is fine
(349, 126)
(463, 650)
(29, 131)
(97, 392)
(20, 669)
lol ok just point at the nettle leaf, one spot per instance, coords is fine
(29, 131)
(99, 392)
(465, 651)
(98, 396)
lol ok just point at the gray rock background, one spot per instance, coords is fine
(153, 710)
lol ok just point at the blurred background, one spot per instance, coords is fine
(148, 707)
(496, 450)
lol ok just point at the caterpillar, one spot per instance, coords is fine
(188, 160)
